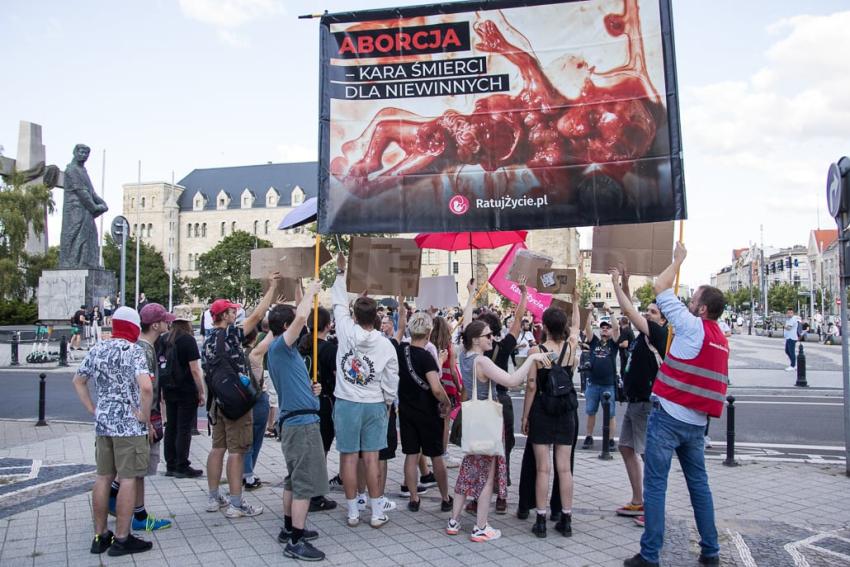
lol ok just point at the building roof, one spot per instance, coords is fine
(258, 179)
(738, 252)
(824, 238)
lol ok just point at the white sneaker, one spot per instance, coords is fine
(246, 510)
(487, 533)
(216, 504)
(707, 441)
(453, 527)
(790, 369)
(353, 521)
(362, 502)
(378, 522)
(388, 505)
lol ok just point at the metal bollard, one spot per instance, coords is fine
(16, 340)
(801, 369)
(730, 433)
(606, 426)
(42, 391)
(63, 351)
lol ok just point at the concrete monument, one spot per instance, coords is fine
(79, 243)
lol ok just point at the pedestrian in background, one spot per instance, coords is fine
(791, 332)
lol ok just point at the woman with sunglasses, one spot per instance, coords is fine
(480, 474)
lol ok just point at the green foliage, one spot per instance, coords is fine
(35, 265)
(18, 312)
(153, 281)
(740, 300)
(21, 207)
(585, 291)
(225, 271)
(645, 294)
(782, 296)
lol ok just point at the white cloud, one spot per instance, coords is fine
(757, 150)
(228, 15)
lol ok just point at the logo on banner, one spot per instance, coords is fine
(459, 204)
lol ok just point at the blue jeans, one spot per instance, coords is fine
(789, 350)
(593, 398)
(261, 416)
(664, 436)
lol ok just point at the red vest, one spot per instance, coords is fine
(698, 383)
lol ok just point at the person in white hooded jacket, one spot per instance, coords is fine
(366, 387)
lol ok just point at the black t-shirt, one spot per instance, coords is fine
(327, 366)
(187, 351)
(79, 318)
(626, 335)
(642, 366)
(505, 347)
(414, 392)
(603, 365)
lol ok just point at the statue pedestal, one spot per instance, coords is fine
(61, 292)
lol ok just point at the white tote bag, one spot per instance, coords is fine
(481, 423)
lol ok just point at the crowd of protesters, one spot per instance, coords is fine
(385, 374)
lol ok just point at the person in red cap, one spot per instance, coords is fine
(124, 390)
(234, 436)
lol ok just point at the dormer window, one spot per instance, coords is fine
(297, 196)
(247, 199)
(222, 200)
(272, 197)
(198, 202)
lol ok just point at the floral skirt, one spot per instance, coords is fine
(474, 471)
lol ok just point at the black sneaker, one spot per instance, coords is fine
(101, 542)
(285, 535)
(706, 560)
(130, 545)
(565, 525)
(169, 472)
(522, 514)
(447, 505)
(413, 505)
(304, 551)
(588, 442)
(188, 472)
(428, 481)
(638, 561)
(321, 504)
(405, 492)
(249, 486)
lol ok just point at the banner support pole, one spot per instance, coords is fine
(315, 360)
(676, 284)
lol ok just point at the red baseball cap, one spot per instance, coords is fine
(154, 313)
(221, 305)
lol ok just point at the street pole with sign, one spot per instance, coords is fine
(838, 200)
(120, 227)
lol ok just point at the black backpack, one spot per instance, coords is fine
(170, 375)
(233, 398)
(558, 395)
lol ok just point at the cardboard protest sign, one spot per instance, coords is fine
(439, 291)
(383, 266)
(284, 290)
(425, 116)
(645, 249)
(527, 263)
(294, 262)
(568, 308)
(556, 280)
(537, 302)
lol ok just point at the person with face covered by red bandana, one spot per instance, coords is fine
(124, 394)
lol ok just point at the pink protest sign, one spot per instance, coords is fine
(537, 302)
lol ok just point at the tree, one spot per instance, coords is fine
(782, 296)
(37, 263)
(153, 281)
(22, 208)
(645, 294)
(585, 291)
(225, 271)
(741, 300)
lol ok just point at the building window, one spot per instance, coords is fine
(134, 229)
(256, 226)
(297, 196)
(204, 230)
(223, 224)
(133, 203)
(455, 268)
(143, 202)
(266, 227)
(607, 295)
(189, 230)
(150, 230)
(598, 284)
(197, 230)
(598, 295)
(232, 227)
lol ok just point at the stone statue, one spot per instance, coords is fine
(78, 245)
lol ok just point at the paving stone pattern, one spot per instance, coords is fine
(769, 505)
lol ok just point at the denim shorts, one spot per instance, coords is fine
(593, 396)
(360, 426)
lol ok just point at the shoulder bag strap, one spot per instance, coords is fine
(654, 351)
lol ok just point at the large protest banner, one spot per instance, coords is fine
(499, 115)
(537, 302)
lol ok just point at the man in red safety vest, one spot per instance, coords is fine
(690, 386)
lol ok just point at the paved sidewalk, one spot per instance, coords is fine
(768, 515)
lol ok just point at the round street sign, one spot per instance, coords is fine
(835, 199)
(119, 225)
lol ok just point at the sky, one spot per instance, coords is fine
(185, 84)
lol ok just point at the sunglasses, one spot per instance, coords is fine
(487, 336)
